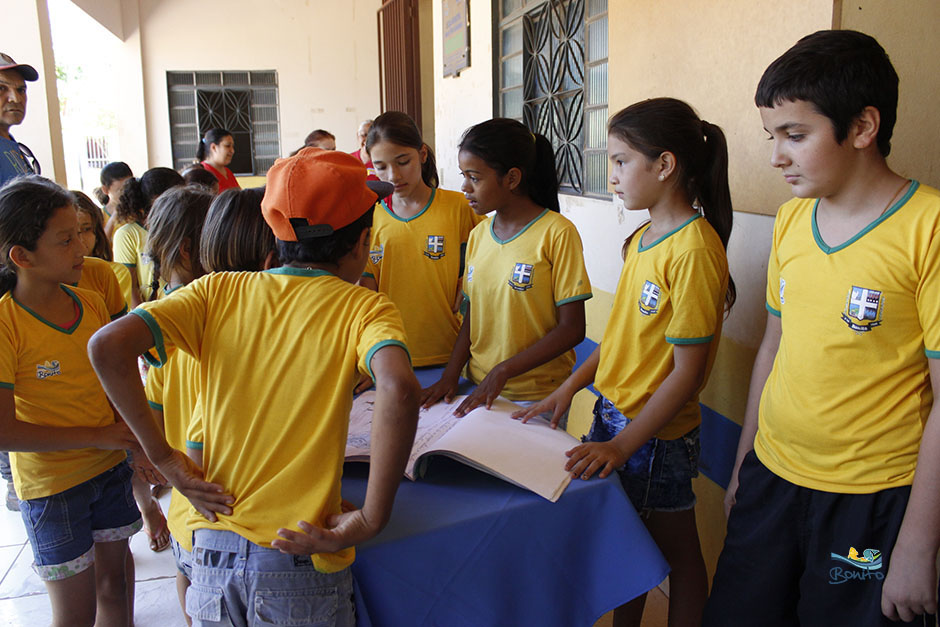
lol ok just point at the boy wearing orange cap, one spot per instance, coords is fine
(280, 352)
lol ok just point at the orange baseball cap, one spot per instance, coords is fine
(317, 192)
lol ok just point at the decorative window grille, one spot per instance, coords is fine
(244, 103)
(96, 152)
(553, 78)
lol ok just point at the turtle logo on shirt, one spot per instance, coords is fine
(864, 308)
(521, 279)
(649, 299)
(48, 369)
(865, 566)
(376, 255)
(435, 248)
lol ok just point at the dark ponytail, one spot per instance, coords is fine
(397, 128)
(212, 136)
(659, 125)
(138, 195)
(177, 217)
(26, 204)
(114, 171)
(503, 144)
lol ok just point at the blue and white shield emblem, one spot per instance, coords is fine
(864, 308)
(649, 299)
(521, 279)
(376, 254)
(435, 247)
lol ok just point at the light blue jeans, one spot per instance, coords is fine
(238, 583)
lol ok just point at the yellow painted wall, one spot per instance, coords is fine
(908, 32)
(325, 54)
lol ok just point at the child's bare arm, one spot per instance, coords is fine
(446, 386)
(675, 391)
(393, 429)
(113, 351)
(911, 585)
(560, 400)
(566, 335)
(16, 435)
(759, 373)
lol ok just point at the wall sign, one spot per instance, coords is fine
(456, 31)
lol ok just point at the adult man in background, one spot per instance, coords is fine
(15, 158)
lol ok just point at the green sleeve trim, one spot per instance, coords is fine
(6, 386)
(129, 266)
(574, 298)
(120, 313)
(930, 355)
(196, 446)
(775, 312)
(156, 406)
(681, 341)
(157, 338)
(380, 345)
(368, 275)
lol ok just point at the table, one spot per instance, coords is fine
(463, 548)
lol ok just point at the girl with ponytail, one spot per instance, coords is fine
(419, 237)
(662, 334)
(130, 238)
(525, 282)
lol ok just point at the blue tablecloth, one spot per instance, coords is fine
(463, 548)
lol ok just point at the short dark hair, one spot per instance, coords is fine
(318, 135)
(329, 249)
(235, 236)
(839, 72)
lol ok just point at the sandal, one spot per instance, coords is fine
(160, 534)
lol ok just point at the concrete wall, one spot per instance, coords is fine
(325, 54)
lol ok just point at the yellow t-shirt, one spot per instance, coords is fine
(846, 400)
(671, 292)
(98, 277)
(53, 384)
(279, 354)
(123, 275)
(418, 262)
(130, 241)
(173, 389)
(515, 287)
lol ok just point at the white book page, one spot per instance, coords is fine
(530, 455)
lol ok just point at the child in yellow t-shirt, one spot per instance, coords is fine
(97, 247)
(113, 176)
(130, 235)
(419, 239)
(662, 334)
(69, 464)
(841, 431)
(525, 281)
(279, 355)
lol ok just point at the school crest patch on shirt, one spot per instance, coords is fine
(521, 279)
(375, 256)
(649, 299)
(48, 369)
(435, 247)
(864, 308)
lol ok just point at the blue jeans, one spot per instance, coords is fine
(236, 583)
(658, 477)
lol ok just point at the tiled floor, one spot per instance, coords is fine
(23, 599)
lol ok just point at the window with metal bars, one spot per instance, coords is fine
(553, 77)
(244, 103)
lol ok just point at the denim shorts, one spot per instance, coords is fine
(184, 558)
(658, 478)
(238, 583)
(63, 528)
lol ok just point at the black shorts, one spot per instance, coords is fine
(797, 556)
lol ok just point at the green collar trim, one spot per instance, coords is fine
(415, 216)
(887, 214)
(640, 247)
(68, 331)
(519, 234)
(290, 271)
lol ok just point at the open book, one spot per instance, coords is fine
(531, 455)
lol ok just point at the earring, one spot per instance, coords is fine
(662, 177)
